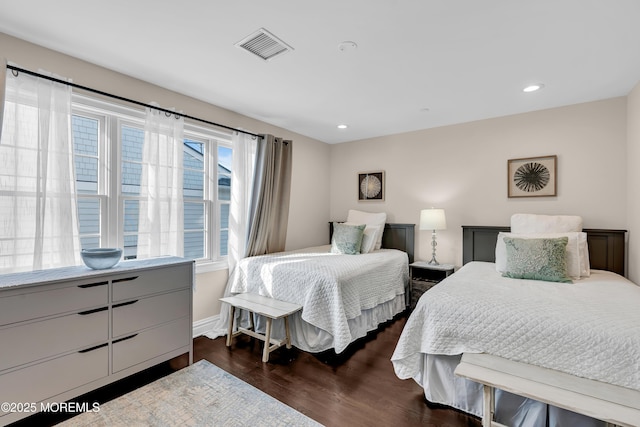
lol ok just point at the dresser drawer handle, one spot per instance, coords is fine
(125, 279)
(87, 350)
(95, 310)
(92, 285)
(122, 304)
(125, 338)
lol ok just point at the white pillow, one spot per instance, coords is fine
(370, 219)
(531, 223)
(577, 251)
(368, 239)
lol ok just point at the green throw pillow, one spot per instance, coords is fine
(537, 259)
(347, 239)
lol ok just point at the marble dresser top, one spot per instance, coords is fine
(29, 278)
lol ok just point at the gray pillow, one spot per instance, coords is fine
(537, 259)
(347, 239)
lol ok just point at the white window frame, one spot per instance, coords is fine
(103, 153)
(111, 118)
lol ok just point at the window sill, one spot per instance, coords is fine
(208, 266)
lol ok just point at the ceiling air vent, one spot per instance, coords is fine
(264, 44)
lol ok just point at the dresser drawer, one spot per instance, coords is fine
(139, 314)
(48, 379)
(29, 342)
(151, 343)
(41, 301)
(147, 282)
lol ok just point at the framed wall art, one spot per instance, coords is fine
(532, 176)
(371, 186)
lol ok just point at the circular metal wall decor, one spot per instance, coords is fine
(533, 176)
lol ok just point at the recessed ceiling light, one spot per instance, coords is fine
(533, 87)
(342, 126)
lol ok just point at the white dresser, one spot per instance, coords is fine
(67, 331)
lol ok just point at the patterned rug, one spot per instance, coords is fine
(199, 395)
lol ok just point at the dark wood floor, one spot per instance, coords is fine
(357, 388)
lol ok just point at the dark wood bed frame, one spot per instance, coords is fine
(395, 236)
(606, 247)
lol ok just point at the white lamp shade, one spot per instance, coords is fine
(432, 219)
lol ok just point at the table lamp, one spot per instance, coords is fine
(433, 219)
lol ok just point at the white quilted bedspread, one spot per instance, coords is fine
(590, 328)
(331, 288)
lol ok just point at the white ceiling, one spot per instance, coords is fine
(462, 60)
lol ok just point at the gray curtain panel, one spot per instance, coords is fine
(269, 210)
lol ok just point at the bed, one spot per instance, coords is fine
(589, 329)
(343, 297)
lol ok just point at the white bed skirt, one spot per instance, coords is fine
(312, 339)
(441, 386)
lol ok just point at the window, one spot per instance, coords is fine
(108, 141)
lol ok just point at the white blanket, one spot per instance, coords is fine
(331, 288)
(590, 328)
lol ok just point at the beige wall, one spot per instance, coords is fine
(462, 168)
(309, 210)
(633, 179)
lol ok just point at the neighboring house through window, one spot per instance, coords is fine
(108, 141)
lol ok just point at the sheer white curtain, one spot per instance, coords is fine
(3, 79)
(161, 214)
(242, 175)
(38, 206)
(242, 171)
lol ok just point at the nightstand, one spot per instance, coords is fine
(424, 276)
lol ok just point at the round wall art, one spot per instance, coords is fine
(371, 186)
(532, 176)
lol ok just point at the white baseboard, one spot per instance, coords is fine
(203, 326)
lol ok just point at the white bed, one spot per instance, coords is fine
(343, 296)
(589, 328)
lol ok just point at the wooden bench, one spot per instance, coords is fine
(607, 402)
(269, 308)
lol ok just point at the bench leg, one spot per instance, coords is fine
(286, 331)
(232, 312)
(488, 403)
(267, 341)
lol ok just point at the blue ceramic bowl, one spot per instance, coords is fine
(101, 258)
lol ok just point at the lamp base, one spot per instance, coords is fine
(433, 247)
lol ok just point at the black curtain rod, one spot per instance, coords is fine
(121, 98)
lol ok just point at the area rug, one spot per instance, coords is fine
(199, 395)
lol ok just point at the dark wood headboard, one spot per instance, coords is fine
(606, 247)
(395, 236)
